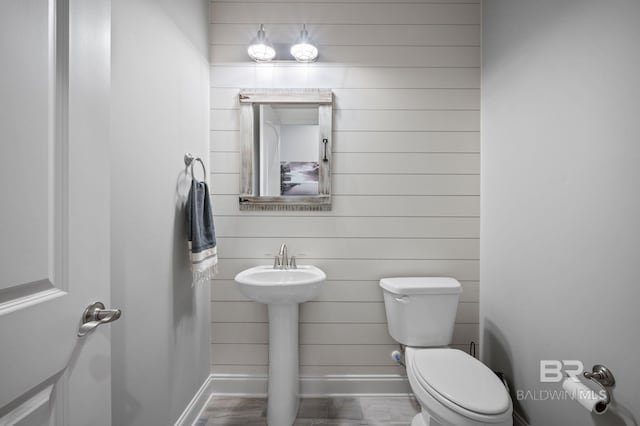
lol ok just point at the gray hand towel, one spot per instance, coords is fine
(201, 233)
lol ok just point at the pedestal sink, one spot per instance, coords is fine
(282, 290)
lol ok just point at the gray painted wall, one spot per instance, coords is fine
(560, 202)
(160, 111)
(405, 174)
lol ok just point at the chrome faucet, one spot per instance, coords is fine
(284, 257)
(282, 260)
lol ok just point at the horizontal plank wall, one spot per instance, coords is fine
(406, 80)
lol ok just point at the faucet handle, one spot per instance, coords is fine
(292, 263)
(276, 262)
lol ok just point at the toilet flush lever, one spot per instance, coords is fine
(95, 315)
(401, 299)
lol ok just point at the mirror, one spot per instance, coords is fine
(286, 149)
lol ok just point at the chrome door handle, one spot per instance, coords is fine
(96, 314)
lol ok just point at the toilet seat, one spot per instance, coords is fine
(459, 382)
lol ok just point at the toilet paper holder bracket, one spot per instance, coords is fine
(603, 377)
(601, 374)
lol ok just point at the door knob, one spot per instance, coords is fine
(96, 314)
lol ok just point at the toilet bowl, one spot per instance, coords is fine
(452, 387)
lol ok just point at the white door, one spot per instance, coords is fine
(54, 211)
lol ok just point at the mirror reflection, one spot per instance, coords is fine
(287, 147)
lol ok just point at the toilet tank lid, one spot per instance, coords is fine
(421, 285)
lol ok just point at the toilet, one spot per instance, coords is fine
(452, 387)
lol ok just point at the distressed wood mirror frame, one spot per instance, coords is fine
(250, 199)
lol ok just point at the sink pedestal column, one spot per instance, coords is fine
(283, 396)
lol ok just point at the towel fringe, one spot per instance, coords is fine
(200, 277)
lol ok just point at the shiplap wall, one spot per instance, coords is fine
(406, 80)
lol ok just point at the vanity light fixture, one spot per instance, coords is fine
(304, 50)
(261, 49)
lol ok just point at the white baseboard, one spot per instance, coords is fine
(315, 385)
(192, 411)
(256, 385)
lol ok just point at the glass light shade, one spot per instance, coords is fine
(261, 52)
(304, 50)
(260, 49)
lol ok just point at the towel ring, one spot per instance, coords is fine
(189, 159)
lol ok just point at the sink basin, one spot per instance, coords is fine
(282, 290)
(267, 285)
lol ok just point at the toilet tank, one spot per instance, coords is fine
(421, 311)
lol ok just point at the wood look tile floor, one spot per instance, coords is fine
(343, 411)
